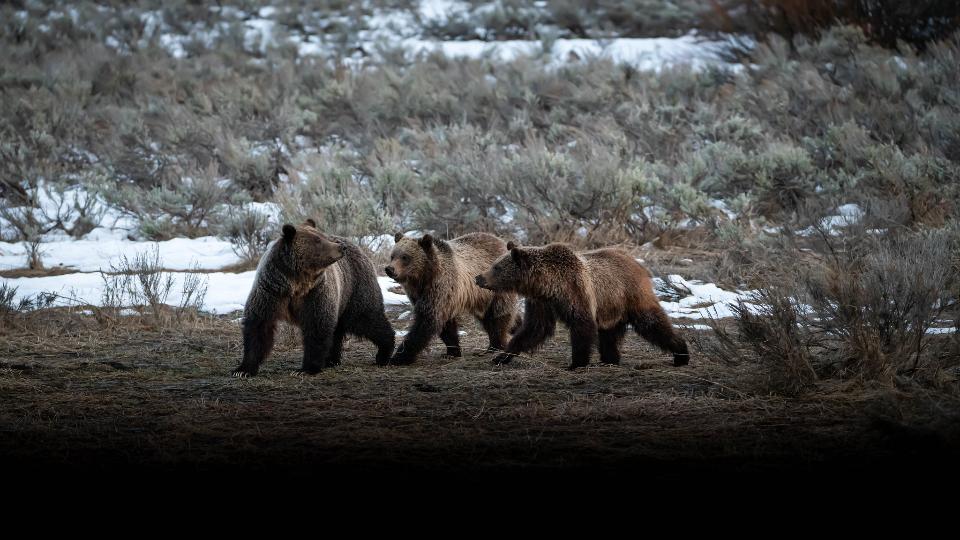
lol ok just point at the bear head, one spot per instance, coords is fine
(304, 252)
(509, 272)
(533, 271)
(412, 260)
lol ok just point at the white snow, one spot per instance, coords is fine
(647, 54)
(106, 249)
(693, 327)
(391, 298)
(441, 9)
(847, 215)
(706, 300)
(931, 331)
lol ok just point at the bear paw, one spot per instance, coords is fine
(681, 359)
(241, 373)
(502, 358)
(401, 360)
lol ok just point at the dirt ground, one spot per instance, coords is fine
(79, 396)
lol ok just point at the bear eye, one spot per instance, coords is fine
(405, 258)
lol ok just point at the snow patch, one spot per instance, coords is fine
(706, 300)
(226, 292)
(105, 249)
(391, 298)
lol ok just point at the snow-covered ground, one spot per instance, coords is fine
(648, 54)
(103, 253)
(377, 30)
(706, 300)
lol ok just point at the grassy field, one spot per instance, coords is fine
(78, 397)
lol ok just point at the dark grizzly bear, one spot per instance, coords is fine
(437, 276)
(323, 284)
(596, 293)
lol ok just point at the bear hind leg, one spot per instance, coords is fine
(381, 333)
(654, 326)
(375, 327)
(498, 322)
(451, 338)
(609, 342)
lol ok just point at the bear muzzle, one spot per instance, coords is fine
(390, 272)
(481, 282)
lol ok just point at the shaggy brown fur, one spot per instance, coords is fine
(596, 293)
(323, 284)
(437, 275)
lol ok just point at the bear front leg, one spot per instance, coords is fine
(539, 323)
(258, 334)
(423, 329)
(583, 333)
(451, 338)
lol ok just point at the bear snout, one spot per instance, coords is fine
(480, 281)
(390, 273)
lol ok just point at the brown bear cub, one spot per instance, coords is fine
(596, 293)
(323, 284)
(437, 276)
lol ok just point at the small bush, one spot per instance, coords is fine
(9, 307)
(863, 314)
(140, 282)
(249, 230)
(186, 207)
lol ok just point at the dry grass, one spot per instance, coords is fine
(34, 272)
(72, 392)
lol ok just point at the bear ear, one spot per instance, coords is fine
(289, 231)
(397, 237)
(310, 222)
(426, 242)
(519, 256)
(511, 244)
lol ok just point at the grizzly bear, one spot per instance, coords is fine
(437, 276)
(324, 285)
(596, 293)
